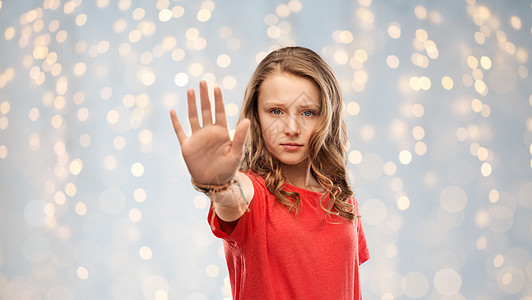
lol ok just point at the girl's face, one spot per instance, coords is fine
(288, 108)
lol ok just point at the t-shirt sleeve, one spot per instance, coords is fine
(363, 251)
(249, 221)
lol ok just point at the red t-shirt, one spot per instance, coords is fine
(276, 254)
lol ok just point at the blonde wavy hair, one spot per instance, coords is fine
(327, 145)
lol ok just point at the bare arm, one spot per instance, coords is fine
(212, 158)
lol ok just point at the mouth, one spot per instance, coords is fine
(291, 146)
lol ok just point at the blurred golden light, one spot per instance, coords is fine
(223, 60)
(355, 157)
(145, 253)
(472, 62)
(76, 166)
(403, 203)
(135, 215)
(203, 15)
(394, 30)
(405, 157)
(420, 12)
(420, 148)
(392, 61)
(447, 82)
(137, 169)
(422, 35)
(390, 168)
(486, 169)
(485, 62)
(515, 22)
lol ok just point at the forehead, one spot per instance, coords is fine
(288, 89)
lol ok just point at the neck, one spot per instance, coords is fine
(300, 176)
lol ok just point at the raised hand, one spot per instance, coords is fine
(209, 153)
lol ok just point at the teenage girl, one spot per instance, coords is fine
(280, 197)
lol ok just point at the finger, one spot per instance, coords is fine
(181, 136)
(192, 110)
(241, 132)
(205, 104)
(219, 107)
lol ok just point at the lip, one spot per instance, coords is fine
(291, 146)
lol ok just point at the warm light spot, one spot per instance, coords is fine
(71, 189)
(195, 69)
(472, 62)
(493, 196)
(353, 108)
(390, 168)
(392, 61)
(203, 15)
(135, 215)
(165, 15)
(56, 121)
(82, 273)
(341, 57)
(480, 38)
(355, 157)
(81, 19)
(447, 82)
(420, 148)
(282, 10)
(476, 105)
(5, 107)
(138, 14)
(418, 110)
(212, 270)
(422, 35)
(137, 169)
(420, 12)
(3, 151)
(415, 83)
(482, 154)
(424, 83)
(145, 252)
(80, 208)
(418, 132)
(139, 195)
(148, 78)
(85, 140)
(516, 22)
(161, 295)
(9, 33)
(481, 87)
(112, 116)
(394, 30)
(485, 62)
(273, 32)
(76, 166)
(181, 79)
(405, 157)
(486, 169)
(229, 82)
(223, 61)
(403, 203)
(110, 162)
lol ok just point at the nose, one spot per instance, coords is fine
(292, 126)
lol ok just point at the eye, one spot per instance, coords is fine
(275, 111)
(309, 113)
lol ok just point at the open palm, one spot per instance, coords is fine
(209, 153)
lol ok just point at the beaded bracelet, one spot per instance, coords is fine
(209, 189)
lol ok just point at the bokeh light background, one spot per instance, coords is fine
(96, 201)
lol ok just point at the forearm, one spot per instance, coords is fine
(231, 204)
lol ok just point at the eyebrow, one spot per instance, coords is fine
(273, 103)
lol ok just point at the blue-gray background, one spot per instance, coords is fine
(95, 200)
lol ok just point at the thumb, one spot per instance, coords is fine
(239, 139)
